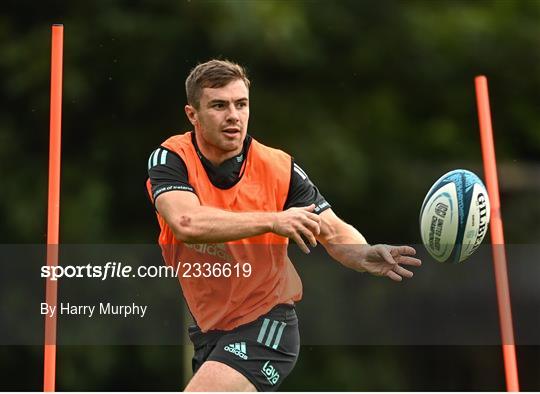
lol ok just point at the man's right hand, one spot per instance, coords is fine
(298, 224)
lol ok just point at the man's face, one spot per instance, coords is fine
(222, 119)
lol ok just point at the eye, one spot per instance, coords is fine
(218, 105)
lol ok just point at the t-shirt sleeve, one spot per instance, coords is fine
(302, 192)
(167, 172)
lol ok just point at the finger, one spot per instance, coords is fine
(308, 234)
(409, 261)
(385, 254)
(407, 250)
(309, 208)
(403, 272)
(314, 227)
(392, 275)
(314, 217)
(300, 242)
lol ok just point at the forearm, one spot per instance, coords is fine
(348, 249)
(209, 225)
(342, 241)
(346, 245)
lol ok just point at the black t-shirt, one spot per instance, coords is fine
(167, 172)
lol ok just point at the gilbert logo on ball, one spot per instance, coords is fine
(454, 216)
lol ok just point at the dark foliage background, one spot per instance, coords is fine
(374, 99)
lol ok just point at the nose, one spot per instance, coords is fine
(232, 114)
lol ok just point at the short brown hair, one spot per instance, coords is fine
(212, 74)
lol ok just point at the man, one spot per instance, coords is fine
(227, 206)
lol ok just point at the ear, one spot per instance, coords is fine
(191, 113)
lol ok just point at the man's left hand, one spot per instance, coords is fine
(387, 260)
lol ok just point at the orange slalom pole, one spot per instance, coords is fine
(53, 219)
(497, 235)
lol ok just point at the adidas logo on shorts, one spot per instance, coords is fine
(238, 349)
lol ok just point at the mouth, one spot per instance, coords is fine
(231, 131)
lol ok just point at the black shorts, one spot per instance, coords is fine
(264, 351)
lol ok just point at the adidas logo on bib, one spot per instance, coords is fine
(238, 349)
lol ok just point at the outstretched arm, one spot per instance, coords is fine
(346, 245)
(193, 223)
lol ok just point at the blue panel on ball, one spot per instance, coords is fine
(459, 180)
(468, 179)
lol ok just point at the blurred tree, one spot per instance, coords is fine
(374, 99)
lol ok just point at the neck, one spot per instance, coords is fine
(213, 154)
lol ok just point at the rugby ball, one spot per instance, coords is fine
(454, 216)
